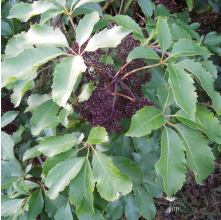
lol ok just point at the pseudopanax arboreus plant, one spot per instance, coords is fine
(109, 121)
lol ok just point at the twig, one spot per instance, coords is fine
(207, 105)
(170, 123)
(121, 6)
(72, 23)
(125, 96)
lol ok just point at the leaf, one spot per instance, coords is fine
(130, 169)
(131, 209)
(161, 10)
(8, 117)
(189, 4)
(42, 35)
(15, 68)
(210, 67)
(44, 117)
(16, 136)
(128, 23)
(88, 8)
(60, 144)
(183, 89)
(21, 86)
(164, 36)
(142, 52)
(206, 80)
(178, 33)
(107, 38)
(61, 175)
(144, 121)
(99, 202)
(197, 152)
(185, 47)
(165, 96)
(105, 172)
(204, 121)
(86, 91)
(112, 137)
(7, 151)
(63, 116)
(36, 204)
(6, 28)
(171, 165)
(65, 77)
(96, 216)
(97, 135)
(32, 152)
(82, 2)
(64, 213)
(85, 27)
(18, 188)
(212, 39)
(24, 11)
(49, 14)
(146, 7)
(81, 190)
(34, 100)
(145, 203)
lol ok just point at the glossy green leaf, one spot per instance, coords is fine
(205, 79)
(112, 137)
(177, 33)
(24, 11)
(97, 135)
(145, 203)
(65, 77)
(143, 52)
(61, 175)
(88, 8)
(205, 121)
(16, 136)
(15, 67)
(161, 10)
(8, 117)
(131, 209)
(81, 190)
(6, 28)
(107, 38)
(18, 188)
(212, 39)
(63, 116)
(32, 152)
(86, 92)
(96, 216)
(42, 35)
(164, 36)
(130, 169)
(171, 165)
(44, 117)
(144, 121)
(60, 144)
(7, 144)
(82, 2)
(197, 152)
(36, 204)
(165, 96)
(183, 89)
(49, 14)
(64, 213)
(146, 7)
(85, 27)
(105, 171)
(211, 68)
(189, 4)
(185, 47)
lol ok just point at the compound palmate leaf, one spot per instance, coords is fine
(65, 77)
(144, 121)
(61, 175)
(110, 181)
(171, 165)
(197, 152)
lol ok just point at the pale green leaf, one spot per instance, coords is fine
(189, 4)
(205, 121)
(130, 169)
(107, 145)
(144, 121)
(107, 38)
(164, 36)
(7, 144)
(24, 11)
(197, 152)
(15, 67)
(49, 14)
(106, 172)
(64, 213)
(97, 135)
(185, 47)
(82, 2)
(16, 136)
(61, 175)
(56, 144)
(183, 89)
(85, 27)
(8, 117)
(6, 28)
(88, 8)
(142, 52)
(212, 39)
(96, 216)
(86, 91)
(65, 77)
(131, 209)
(63, 116)
(32, 152)
(146, 7)
(20, 189)
(210, 67)
(206, 80)
(178, 33)
(165, 96)
(145, 203)
(161, 10)
(44, 117)
(171, 165)
(41, 35)
(7, 181)
(34, 100)
(81, 190)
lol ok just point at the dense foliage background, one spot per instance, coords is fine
(110, 109)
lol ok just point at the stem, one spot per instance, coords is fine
(170, 123)
(115, 92)
(109, 85)
(122, 68)
(207, 105)
(128, 90)
(127, 5)
(125, 96)
(121, 6)
(70, 18)
(165, 116)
